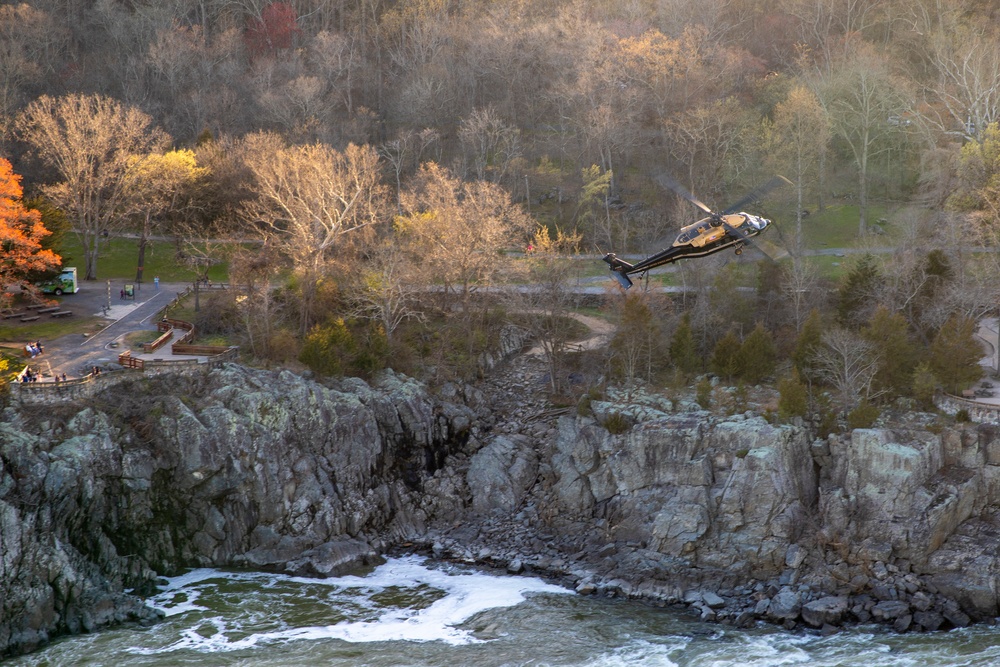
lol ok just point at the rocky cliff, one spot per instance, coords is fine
(235, 467)
(633, 495)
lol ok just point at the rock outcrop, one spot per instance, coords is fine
(637, 495)
(236, 467)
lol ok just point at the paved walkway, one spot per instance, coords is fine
(76, 354)
(987, 335)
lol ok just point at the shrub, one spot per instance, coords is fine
(793, 398)
(327, 348)
(863, 416)
(617, 423)
(703, 393)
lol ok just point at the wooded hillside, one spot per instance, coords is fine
(531, 92)
(417, 139)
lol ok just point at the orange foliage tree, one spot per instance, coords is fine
(21, 234)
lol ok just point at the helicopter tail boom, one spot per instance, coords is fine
(619, 269)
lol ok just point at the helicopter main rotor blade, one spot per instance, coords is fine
(668, 181)
(745, 238)
(755, 194)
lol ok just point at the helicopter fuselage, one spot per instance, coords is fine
(708, 235)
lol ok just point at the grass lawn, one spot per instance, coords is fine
(49, 329)
(833, 227)
(118, 257)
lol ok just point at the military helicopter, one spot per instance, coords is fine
(709, 235)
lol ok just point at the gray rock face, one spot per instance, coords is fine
(501, 473)
(718, 493)
(273, 471)
(252, 468)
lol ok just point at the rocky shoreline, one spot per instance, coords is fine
(638, 495)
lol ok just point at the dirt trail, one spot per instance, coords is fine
(601, 332)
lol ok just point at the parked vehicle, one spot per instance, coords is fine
(64, 283)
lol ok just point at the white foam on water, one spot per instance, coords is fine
(639, 652)
(170, 601)
(779, 649)
(465, 594)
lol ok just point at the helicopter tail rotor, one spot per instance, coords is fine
(619, 269)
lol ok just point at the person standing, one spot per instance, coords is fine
(156, 282)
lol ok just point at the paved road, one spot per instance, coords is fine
(75, 354)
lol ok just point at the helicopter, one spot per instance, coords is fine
(716, 232)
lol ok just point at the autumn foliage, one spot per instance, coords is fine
(21, 233)
(275, 29)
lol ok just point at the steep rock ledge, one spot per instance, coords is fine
(236, 467)
(737, 518)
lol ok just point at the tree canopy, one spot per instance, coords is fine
(21, 232)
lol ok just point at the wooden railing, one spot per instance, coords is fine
(149, 348)
(126, 360)
(49, 391)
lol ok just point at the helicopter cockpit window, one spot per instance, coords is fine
(690, 234)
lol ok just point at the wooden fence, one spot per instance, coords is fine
(57, 391)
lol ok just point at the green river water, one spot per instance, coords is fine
(415, 612)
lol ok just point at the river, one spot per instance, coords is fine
(416, 612)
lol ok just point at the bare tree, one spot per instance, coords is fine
(460, 228)
(309, 200)
(165, 183)
(337, 57)
(89, 140)
(849, 364)
(490, 144)
(867, 106)
(30, 42)
(547, 303)
(801, 132)
(251, 271)
(965, 99)
(798, 286)
(405, 152)
(387, 290)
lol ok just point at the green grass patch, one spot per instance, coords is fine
(118, 260)
(136, 339)
(833, 227)
(49, 329)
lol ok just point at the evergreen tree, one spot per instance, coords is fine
(793, 397)
(955, 354)
(807, 344)
(757, 356)
(924, 385)
(725, 361)
(856, 293)
(683, 349)
(889, 333)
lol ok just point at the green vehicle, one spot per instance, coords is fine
(64, 283)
